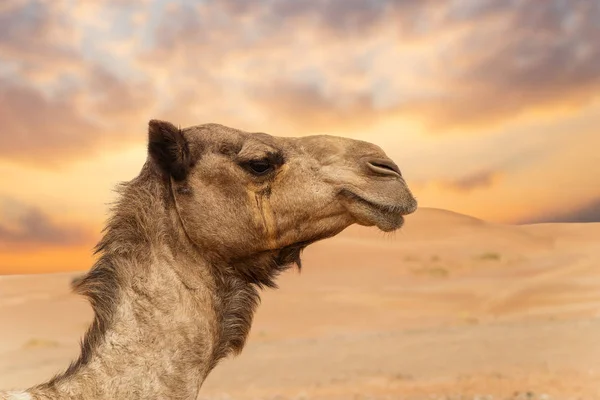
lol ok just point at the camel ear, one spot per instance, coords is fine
(169, 148)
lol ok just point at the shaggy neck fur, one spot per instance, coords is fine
(165, 313)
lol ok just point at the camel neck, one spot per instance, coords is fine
(153, 336)
(164, 314)
(159, 343)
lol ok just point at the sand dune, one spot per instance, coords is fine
(448, 306)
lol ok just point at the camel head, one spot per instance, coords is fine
(239, 194)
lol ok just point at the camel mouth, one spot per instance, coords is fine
(386, 217)
(384, 209)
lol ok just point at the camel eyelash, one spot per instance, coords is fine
(263, 166)
(258, 167)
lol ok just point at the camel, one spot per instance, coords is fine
(214, 216)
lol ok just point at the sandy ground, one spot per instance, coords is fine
(450, 307)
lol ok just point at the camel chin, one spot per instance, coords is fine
(387, 215)
(367, 213)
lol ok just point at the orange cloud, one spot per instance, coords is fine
(501, 60)
(479, 180)
(78, 83)
(25, 227)
(287, 67)
(558, 182)
(37, 129)
(56, 102)
(292, 107)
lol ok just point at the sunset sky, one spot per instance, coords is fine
(491, 108)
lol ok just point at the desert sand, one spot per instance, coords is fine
(450, 307)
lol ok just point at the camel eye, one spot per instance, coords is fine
(259, 167)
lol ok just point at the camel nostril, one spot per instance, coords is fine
(382, 166)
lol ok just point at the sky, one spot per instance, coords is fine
(490, 108)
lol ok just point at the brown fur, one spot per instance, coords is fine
(215, 215)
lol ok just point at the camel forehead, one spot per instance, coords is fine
(221, 136)
(317, 145)
(342, 146)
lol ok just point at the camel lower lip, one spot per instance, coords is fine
(386, 217)
(379, 207)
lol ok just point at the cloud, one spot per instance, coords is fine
(478, 180)
(25, 226)
(341, 65)
(337, 18)
(117, 101)
(304, 108)
(280, 60)
(38, 41)
(45, 129)
(58, 103)
(590, 212)
(481, 179)
(98, 73)
(38, 129)
(521, 57)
